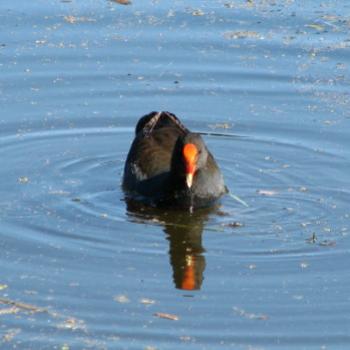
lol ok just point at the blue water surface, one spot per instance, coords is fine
(267, 83)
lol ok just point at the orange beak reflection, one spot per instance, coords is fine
(189, 277)
(190, 154)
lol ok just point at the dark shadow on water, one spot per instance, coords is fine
(184, 232)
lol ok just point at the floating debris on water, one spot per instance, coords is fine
(123, 2)
(10, 334)
(198, 12)
(10, 311)
(317, 27)
(171, 317)
(23, 306)
(249, 315)
(221, 126)
(3, 286)
(72, 324)
(122, 299)
(242, 35)
(239, 200)
(312, 239)
(328, 243)
(23, 179)
(268, 193)
(304, 265)
(233, 224)
(73, 19)
(146, 301)
(59, 193)
(149, 347)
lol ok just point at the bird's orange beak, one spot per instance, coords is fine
(190, 153)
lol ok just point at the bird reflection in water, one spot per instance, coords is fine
(183, 230)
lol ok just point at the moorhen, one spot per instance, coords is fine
(168, 165)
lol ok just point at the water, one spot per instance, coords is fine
(267, 82)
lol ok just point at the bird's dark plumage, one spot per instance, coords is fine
(162, 155)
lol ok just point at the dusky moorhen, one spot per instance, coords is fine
(170, 166)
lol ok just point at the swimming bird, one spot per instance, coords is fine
(168, 165)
